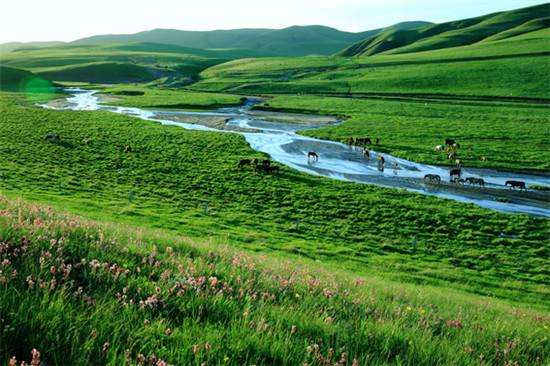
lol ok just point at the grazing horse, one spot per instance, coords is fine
(457, 172)
(312, 155)
(439, 148)
(366, 153)
(516, 183)
(244, 162)
(450, 142)
(263, 168)
(53, 137)
(433, 178)
(473, 181)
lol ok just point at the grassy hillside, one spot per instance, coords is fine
(173, 172)
(82, 293)
(512, 67)
(135, 62)
(291, 41)
(452, 34)
(33, 86)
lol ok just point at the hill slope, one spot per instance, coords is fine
(291, 41)
(453, 34)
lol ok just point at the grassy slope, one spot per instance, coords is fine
(173, 172)
(512, 67)
(83, 293)
(291, 41)
(118, 63)
(450, 34)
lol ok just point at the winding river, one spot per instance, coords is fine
(339, 161)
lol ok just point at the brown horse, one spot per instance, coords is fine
(516, 183)
(433, 178)
(457, 172)
(472, 181)
(244, 162)
(312, 155)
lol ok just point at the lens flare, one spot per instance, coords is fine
(37, 88)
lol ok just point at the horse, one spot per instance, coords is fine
(450, 142)
(313, 154)
(439, 148)
(266, 162)
(451, 155)
(453, 172)
(381, 162)
(244, 162)
(366, 153)
(264, 168)
(516, 183)
(433, 178)
(473, 181)
(53, 137)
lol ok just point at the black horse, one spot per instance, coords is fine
(516, 183)
(313, 155)
(455, 172)
(433, 178)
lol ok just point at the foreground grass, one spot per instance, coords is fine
(83, 293)
(172, 173)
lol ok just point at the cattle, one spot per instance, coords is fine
(473, 181)
(312, 155)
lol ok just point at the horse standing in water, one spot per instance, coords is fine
(381, 162)
(312, 155)
(516, 183)
(366, 153)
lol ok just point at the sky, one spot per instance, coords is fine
(68, 20)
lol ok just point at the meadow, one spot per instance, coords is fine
(77, 292)
(172, 173)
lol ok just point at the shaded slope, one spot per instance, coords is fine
(109, 72)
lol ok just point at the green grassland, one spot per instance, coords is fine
(507, 68)
(173, 172)
(115, 63)
(83, 293)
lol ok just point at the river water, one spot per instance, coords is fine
(340, 161)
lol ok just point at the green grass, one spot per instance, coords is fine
(83, 293)
(166, 98)
(173, 172)
(508, 135)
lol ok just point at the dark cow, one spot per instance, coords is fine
(516, 183)
(433, 178)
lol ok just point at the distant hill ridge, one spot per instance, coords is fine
(464, 32)
(291, 41)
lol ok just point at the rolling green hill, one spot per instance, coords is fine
(21, 80)
(291, 41)
(452, 34)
